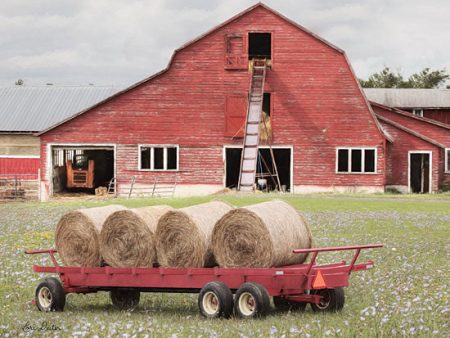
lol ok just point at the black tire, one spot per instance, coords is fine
(333, 300)
(125, 299)
(215, 300)
(50, 295)
(283, 304)
(252, 300)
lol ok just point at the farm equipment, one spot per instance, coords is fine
(80, 172)
(292, 287)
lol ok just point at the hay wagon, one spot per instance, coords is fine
(292, 287)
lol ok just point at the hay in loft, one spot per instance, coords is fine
(76, 236)
(183, 236)
(127, 236)
(260, 235)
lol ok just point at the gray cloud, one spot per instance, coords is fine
(121, 42)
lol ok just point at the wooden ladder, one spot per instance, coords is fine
(247, 173)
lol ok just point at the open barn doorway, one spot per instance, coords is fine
(420, 172)
(259, 46)
(81, 169)
(283, 159)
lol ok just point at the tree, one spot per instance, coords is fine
(383, 79)
(388, 79)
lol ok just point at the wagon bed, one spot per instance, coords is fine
(291, 286)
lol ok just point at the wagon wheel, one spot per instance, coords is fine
(252, 300)
(332, 300)
(125, 299)
(283, 304)
(50, 295)
(215, 300)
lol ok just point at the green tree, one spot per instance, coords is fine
(383, 79)
(386, 78)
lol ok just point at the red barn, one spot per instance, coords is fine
(186, 120)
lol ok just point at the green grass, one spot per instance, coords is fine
(405, 295)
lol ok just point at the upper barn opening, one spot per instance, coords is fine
(259, 46)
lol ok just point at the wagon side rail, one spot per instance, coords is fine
(313, 270)
(40, 268)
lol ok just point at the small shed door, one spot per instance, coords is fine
(420, 172)
(235, 113)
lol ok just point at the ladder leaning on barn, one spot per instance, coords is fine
(249, 156)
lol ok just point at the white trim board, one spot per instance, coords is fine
(429, 152)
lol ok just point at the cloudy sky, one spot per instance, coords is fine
(119, 42)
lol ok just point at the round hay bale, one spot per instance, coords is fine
(77, 232)
(183, 236)
(261, 235)
(127, 236)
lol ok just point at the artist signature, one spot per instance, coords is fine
(44, 326)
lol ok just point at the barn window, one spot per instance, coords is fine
(418, 112)
(158, 157)
(447, 160)
(356, 160)
(259, 45)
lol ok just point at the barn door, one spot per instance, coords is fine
(235, 56)
(419, 173)
(235, 113)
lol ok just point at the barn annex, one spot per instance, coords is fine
(185, 122)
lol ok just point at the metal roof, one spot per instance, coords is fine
(410, 97)
(32, 109)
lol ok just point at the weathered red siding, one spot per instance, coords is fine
(317, 106)
(397, 159)
(19, 166)
(440, 115)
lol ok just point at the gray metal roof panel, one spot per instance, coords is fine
(410, 97)
(25, 109)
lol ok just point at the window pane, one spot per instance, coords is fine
(145, 158)
(356, 160)
(369, 161)
(343, 160)
(172, 158)
(158, 153)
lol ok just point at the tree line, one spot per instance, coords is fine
(386, 78)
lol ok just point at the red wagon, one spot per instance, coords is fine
(292, 286)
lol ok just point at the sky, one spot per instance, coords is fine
(119, 42)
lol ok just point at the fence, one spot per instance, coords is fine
(160, 187)
(19, 187)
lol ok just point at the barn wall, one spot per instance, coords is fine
(435, 132)
(19, 145)
(441, 115)
(397, 159)
(317, 106)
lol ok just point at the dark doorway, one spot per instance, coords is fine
(420, 173)
(101, 159)
(282, 159)
(259, 46)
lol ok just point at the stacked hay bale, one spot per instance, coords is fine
(77, 233)
(127, 236)
(260, 235)
(183, 236)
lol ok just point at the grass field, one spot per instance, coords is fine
(405, 295)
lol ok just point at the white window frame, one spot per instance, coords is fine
(363, 154)
(446, 158)
(152, 156)
(418, 112)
